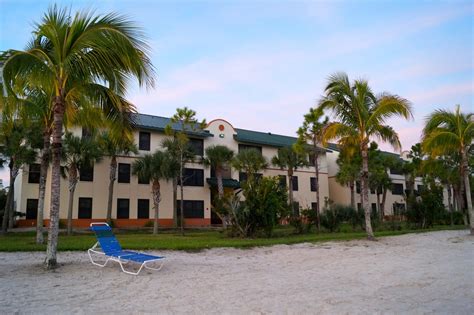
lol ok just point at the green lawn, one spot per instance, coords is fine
(194, 240)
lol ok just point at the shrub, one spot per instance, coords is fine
(429, 210)
(331, 218)
(265, 204)
(148, 224)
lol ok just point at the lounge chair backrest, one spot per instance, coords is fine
(106, 238)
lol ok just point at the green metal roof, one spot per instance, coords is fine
(264, 138)
(227, 182)
(157, 123)
(335, 147)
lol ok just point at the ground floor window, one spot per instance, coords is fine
(314, 205)
(296, 208)
(85, 208)
(123, 208)
(143, 209)
(31, 209)
(398, 208)
(193, 209)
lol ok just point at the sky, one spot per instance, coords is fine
(262, 64)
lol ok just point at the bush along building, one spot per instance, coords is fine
(132, 200)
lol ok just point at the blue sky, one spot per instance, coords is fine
(262, 64)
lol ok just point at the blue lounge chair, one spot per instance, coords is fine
(111, 249)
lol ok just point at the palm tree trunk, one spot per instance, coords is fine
(290, 191)
(467, 186)
(9, 201)
(365, 191)
(175, 201)
(51, 261)
(352, 188)
(220, 191)
(384, 198)
(112, 178)
(450, 206)
(378, 206)
(11, 215)
(182, 191)
(72, 189)
(316, 173)
(42, 187)
(156, 203)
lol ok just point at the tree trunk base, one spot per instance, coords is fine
(51, 264)
(371, 238)
(472, 231)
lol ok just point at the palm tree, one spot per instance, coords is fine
(186, 119)
(18, 138)
(79, 153)
(218, 157)
(288, 158)
(349, 171)
(249, 161)
(85, 58)
(449, 133)
(312, 131)
(113, 145)
(155, 167)
(361, 116)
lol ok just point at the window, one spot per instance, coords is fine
(124, 173)
(282, 180)
(144, 141)
(311, 159)
(358, 187)
(372, 191)
(193, 177)
(312, 183)
(359, 206)
(34, 174)
(226, 172)
(85, 208)
(196, 146)
(396, 170)
(398, 208)
(243, 176)
(143, 181)
(123, 208)
(86, 133)
(374, 207)
(86, 173)
(397, 189)
(249, 147)
(192, 208)
(143, 209)
(31, 209)
(314, 205)
(296, 208)
(294, 181)
(420, 188)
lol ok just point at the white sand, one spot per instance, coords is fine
(415, 273)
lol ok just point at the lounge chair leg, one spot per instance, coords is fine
(156, 269)
(129, 272)
(96, 263)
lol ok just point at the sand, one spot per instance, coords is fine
(414, 273)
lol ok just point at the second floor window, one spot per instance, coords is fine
(86, 173)
(397, 189)
(295, 183)
(196, 146)
(193, 177)
(34, 174)
(144, 141)
(123, 173)
(243, 147)
(312, 183)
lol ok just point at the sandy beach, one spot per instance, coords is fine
(415, 273)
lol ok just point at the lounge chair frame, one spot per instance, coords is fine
(121, 259)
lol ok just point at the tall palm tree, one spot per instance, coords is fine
(113, 145)
(218, 157)
(155, 167)
(186, 119)
(288, 158)
(172, 146)
(79, 153)
(249, 161)
(85, 58)
(312, 131)
(361, 115)
(449, 133)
